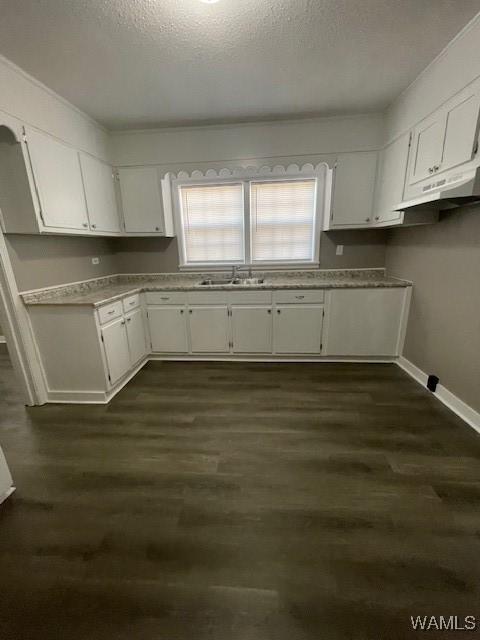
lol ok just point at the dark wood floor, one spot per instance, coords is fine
(239, 502)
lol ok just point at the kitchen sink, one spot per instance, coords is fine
(211, 282)
(245, 281)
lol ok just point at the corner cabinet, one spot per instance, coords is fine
(146, 202)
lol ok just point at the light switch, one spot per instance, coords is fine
(95, 260)
(339, 249)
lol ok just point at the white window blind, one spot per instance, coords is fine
(282, 219)
(213, 223)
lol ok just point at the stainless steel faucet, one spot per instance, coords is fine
(234, 271)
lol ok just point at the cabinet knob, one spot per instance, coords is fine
(190, 311)
(94, 226)
(367, 219)
(430, 169)
(84, 224)
(436, 167)
(129, 319)
(157, 228)
(269, 311)
(377, 217)
(123, 322)
(181, 310)
(278, 310)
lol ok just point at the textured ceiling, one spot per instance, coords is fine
(140, 63)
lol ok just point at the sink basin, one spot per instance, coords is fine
(252, 281)
(211, 282)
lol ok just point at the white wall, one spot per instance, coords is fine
(453, 69)
(442, 260)
(26, 99)
(242, 142)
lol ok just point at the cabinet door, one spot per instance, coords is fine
(136, 335)
(252, 329)
(100, 195)
(142, 201)
(209, 329)
(58, 179)
(116, 349)
(364, 322)
(297, 328)
(392, 167)
(461, 129)
(427, 145)
(168, 329)
(353, 190)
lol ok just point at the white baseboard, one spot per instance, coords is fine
(449, 399)
(270, 359)
(6, 494)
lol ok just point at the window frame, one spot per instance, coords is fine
(321, 177)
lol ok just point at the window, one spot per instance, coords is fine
(212, 217)
(271, 221)
(282, 220)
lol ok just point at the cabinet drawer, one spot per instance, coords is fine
(208, 297)
(251, 297)
(299, 296)
(132, 302)
(110, 311)
(166, 297)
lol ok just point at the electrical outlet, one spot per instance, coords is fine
(339, 249)
(95, 260)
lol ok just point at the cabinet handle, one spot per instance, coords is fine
(109, 313)
(129, 319)
(164, 298)
(299, 297)
(132, 303)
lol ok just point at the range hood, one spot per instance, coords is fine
(456, 189)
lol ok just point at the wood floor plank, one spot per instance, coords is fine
(239, 501)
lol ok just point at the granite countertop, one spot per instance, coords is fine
(108, 289)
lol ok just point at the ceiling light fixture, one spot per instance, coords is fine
(209, 1)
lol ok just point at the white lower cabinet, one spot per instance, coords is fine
(297, 329)
(252, 329)
(209, 329)
(137, 343)
(117, 353)
(364, 322)
(168, 329)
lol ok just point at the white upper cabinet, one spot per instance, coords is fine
(143, 194)
(427, 144)
(446, 139)
(392, 166)
(353, 187)
(99, 185)
(461, 129)
(58, 181)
